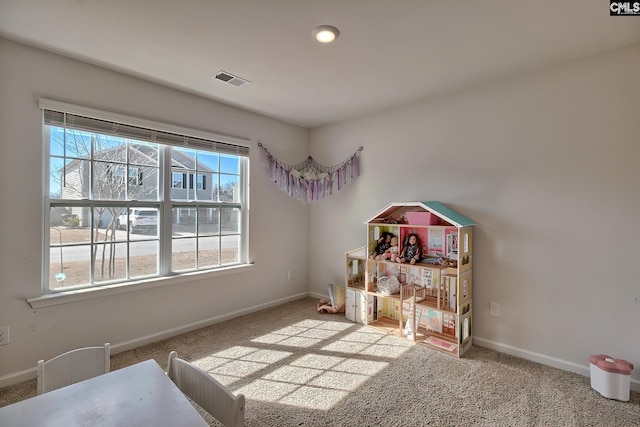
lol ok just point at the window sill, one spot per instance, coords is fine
(57, 298)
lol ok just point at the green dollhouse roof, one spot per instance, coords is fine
(449, 214)
(437, 208)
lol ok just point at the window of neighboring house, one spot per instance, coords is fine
(202, 182)
(115, 174)
(177, 180)
(135, 176)
(106, 229)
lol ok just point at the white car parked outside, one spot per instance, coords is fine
(139, 219)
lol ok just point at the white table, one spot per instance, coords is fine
(139, 395)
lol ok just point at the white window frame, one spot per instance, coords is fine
(53, 297)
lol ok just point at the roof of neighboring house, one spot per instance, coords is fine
(179, 159)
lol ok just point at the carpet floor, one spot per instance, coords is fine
(298, 367)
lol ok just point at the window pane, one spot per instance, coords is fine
(109, 181)
(182, 225)
(208, 252)
(105, 224)
(230, 220)
(141, 220)
(183, 256)
(110, 262)
(184, 221)
(207, 161)
(56, 172)
(76, 179)
(229, 164)
(215, 187)
(144, 258)
(208, 221)
(143, 153)
(229, 188)
(143, 183)
(133, 176)
(73, 262)
(109, 148)
(230, 249)
(66, 226)
(73, 143)
(56, 141)
(184, 186)
(183, 158)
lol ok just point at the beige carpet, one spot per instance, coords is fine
(298, 367)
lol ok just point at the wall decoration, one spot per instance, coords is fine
(309, 181)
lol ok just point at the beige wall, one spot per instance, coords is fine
(278, 223)
(547, 165)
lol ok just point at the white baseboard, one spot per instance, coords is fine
(27, 374)
(18, 377)
(543, 359)
(148, 339)
(319, 296)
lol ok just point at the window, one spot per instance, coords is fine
(202, 182)
(178, 180)
(113, 218)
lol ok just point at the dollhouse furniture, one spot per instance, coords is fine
(433, 305)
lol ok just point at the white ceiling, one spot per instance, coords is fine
(389, 52)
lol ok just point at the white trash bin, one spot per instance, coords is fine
(610, 377)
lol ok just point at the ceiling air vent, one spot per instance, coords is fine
(230, 78)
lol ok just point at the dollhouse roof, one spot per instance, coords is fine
(396, 210)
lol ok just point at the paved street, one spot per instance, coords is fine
(139, 245)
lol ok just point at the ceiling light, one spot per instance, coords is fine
(325, 33)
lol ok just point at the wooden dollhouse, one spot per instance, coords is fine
(431, 270)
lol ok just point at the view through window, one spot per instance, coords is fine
(122, 207)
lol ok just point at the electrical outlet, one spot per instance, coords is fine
(289, 275)
(4, 335)
(494, 310)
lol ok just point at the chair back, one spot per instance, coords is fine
(72, 367)
(206, 391)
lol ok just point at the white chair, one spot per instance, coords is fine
(72, 367)
(206, 391)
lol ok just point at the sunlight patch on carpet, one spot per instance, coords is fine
(362, 367)
(318, 379)
(317, 361)
(339, 380)
(238, 368)
(293, 374)
(314, 397)
(267, 391)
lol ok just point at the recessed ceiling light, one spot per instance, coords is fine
(326, 33)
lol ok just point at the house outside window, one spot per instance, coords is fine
(106, 229)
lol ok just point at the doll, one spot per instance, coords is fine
(412, 250)
(384, 243)
(392, 253)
